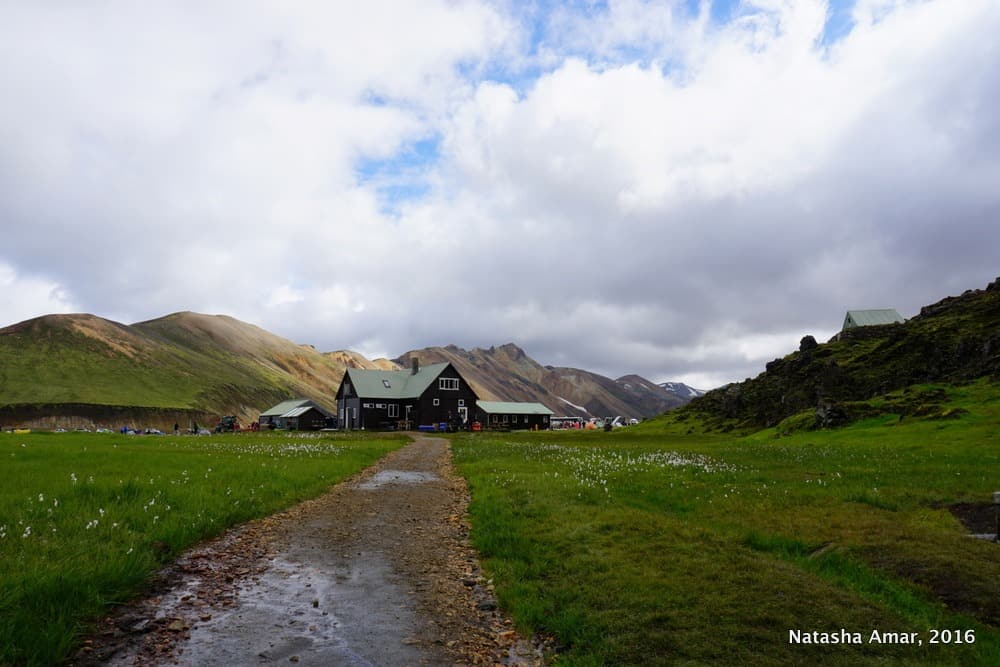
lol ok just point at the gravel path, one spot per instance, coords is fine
(378, 571)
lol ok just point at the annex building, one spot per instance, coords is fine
(514, 416)
(299, 414)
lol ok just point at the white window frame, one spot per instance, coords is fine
(461, 402)
(436, 401)
(448, 384)
(393, 410)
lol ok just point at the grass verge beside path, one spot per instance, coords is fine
(644, 546)
(86, 518)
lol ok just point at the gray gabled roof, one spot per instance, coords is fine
(281, 408)
(393, 384)
(866, 318)
(298, 412)
(508, 408)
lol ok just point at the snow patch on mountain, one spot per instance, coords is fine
(574, 405)
(682, 390)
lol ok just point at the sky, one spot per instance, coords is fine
(680, 189)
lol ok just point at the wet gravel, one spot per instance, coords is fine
(379, 571)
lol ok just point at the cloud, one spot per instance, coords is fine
(662, 188)
(23, 297)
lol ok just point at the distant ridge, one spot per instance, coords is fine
(506, 372)
(682, 390)
(83, 370)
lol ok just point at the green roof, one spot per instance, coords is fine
(393, 384)
(867, 318)
(501, 407)
(285, 406)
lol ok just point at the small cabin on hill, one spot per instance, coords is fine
(299, 414)
(514, 416)
(417, 398)
(867, 318)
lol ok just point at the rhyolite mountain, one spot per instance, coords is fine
(83, 370)
(952, 341)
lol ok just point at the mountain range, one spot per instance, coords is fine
(83, 370)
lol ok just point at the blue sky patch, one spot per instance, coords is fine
(402, 177)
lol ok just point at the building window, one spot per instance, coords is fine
(385, 383)
(437, 401)
(380, 406)
(495, 419)
(393, 410)
(366, 405)
(505, 419)
(461, 402)
(450, 384)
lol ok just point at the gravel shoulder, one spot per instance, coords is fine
(378, 571)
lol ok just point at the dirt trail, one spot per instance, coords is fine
(378, 571)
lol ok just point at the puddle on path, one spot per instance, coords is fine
(313, 614)
(384, 477)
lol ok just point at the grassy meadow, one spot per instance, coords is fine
(86, 518)
(660, 544)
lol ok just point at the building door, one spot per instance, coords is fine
(463, 415)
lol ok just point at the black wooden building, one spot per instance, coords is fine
(417, 398)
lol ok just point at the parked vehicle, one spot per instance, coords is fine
(227, 424)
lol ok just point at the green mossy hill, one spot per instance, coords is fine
(186, 362)
(953, 341)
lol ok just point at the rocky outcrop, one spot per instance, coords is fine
(954, 340)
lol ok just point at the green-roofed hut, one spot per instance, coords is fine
(867, 318)
(514, 416)
(418, 398)
(297, 414)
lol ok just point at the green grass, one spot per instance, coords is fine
(85, 519)
(652, 545)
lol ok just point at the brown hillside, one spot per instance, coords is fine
(315, 375)
(351, 359)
